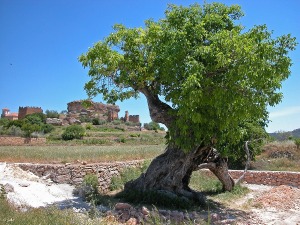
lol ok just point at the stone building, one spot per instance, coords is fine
(9, 115)
(131, 118)
(99, 110)
(23, 111)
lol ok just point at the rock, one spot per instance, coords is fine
(215, 217)
(122, 206)
(54, 121)
(145, 211)
(132, 221)
(24, 184)
(9, 188)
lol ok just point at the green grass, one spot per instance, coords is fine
(41, 216)
(57, 154)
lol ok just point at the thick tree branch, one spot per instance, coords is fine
(160, 112)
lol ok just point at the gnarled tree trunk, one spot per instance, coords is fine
(171, 171)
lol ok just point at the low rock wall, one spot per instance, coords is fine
(74, 174)
(273, 178)
(4, 141)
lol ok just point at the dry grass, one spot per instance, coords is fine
(73, 154)
(278, 156)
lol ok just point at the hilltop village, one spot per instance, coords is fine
(77, 112)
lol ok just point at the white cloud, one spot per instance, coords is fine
(285, 112)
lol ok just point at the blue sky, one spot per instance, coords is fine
(40, 42)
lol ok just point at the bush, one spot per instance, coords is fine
(73, 132)
(153, 126)
(15, 131)
(88, 126)
(51, 114)
(297, 142)
(89, 188)
(96, 121)
(117, 122)
(47, 128)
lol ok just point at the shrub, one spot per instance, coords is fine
(89, 188)
(88, 126)
(47, 128)
(96, 121)
(153, 126)
(117, 122)
(73, 132)
(51, 114)
(297, 142)
(35, 118)
(15, 131)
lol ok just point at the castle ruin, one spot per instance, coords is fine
(23, 111)
(131, 118)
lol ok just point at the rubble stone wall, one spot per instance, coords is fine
(7, 140)
(74, 173)
(274, 178)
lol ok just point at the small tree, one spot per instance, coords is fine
(73, 132)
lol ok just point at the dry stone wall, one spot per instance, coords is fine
(74, 174)
(5, 141)
(273, 178)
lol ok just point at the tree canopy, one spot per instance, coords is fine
(205, 74)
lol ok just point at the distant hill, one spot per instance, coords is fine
(285, 135)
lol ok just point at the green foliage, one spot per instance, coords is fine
(40, 216)
(73, 132)
(297, 142)
(255, 134)
(97, 121)
(15, 131)
(51, 114)
(35, 118)
(4, 122)
(47, 128)
(85, 119)
(152, 126)
(88, 126)
(91, 180)
(29, 128)
(215, 76)
(17, 123)
(130, 173)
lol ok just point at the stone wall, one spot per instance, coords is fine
(134, 118)
(273, 178)
(8, 140)
(74, 174)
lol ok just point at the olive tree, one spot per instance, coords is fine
(203, 76)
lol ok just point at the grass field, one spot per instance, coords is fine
(71, 154)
